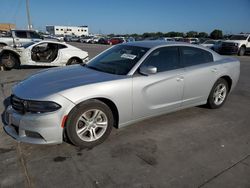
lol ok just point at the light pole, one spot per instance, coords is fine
(28, 14)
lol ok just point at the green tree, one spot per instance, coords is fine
(202, 35)
(192, 34)
(216, 34)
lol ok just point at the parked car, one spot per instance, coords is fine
(44, 53)
(213, 44)
(130, 39)
(167, 39)
(71, 38)
(117, 40)
(19, 38)
(237, 44)
(124, 84)
(191, 40)
(86, 39)
(104, 41)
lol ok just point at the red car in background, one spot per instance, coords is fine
(117, 40)
(111, 41)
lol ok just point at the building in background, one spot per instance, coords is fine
(67, 30)
(5, 27)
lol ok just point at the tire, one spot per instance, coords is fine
(9, 61)
(81, 119)
(218, 95)
(242, 51)
(74, 61)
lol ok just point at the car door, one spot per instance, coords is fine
(199, 76)
(42, 52)
(248, 44)
(160, 92)
(21, 38)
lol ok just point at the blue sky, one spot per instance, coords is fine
(132, 16)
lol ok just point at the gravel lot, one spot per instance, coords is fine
(196, 147)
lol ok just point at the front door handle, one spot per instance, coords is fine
(214, 70)
(180, 78)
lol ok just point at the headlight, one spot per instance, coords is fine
(236, 44)
(40, 106)
(23, 106)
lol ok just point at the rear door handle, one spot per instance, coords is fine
(214, 70)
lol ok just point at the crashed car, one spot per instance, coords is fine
(44, 53)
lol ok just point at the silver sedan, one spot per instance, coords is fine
(124, 84)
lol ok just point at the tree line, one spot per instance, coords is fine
(215, 34)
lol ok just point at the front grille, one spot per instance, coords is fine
(17, 104)
(16, 128)
(228, 44)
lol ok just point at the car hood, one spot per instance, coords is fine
(233, 41)
(52, 81)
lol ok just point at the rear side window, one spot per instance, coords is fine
(164, 59)
(21, 34)
(195, 56)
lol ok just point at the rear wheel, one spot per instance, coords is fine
(218, 94)
(242, 51)
(9, 61)
(89, 124)
(74, 61)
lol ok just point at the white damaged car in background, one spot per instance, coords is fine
(44, 53)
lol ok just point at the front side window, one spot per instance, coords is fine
(118, 60)
(195, 56)
(164, 59)
(34, 35)
(21, 34)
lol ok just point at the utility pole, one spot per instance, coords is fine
(28, 14)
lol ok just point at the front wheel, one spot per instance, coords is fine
(242, 51)
(74, 61)
(89, 123)
(218, 94)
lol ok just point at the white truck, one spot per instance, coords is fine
(19, 38)
(236, 44)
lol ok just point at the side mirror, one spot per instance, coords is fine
(148, 70)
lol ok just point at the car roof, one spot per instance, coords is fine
(159, 43)
(156, 43)
(151, 43)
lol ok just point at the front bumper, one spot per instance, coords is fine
(229, 50)
(34, 128)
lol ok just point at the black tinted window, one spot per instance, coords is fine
(61, 46)
(163, 59)
(118, 60)
(21, 34)
(195, 56)
(34, 35)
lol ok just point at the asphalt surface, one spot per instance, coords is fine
(196, 147)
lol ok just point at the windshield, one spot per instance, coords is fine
(118, 60)
(238, 37)
(27, 44)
